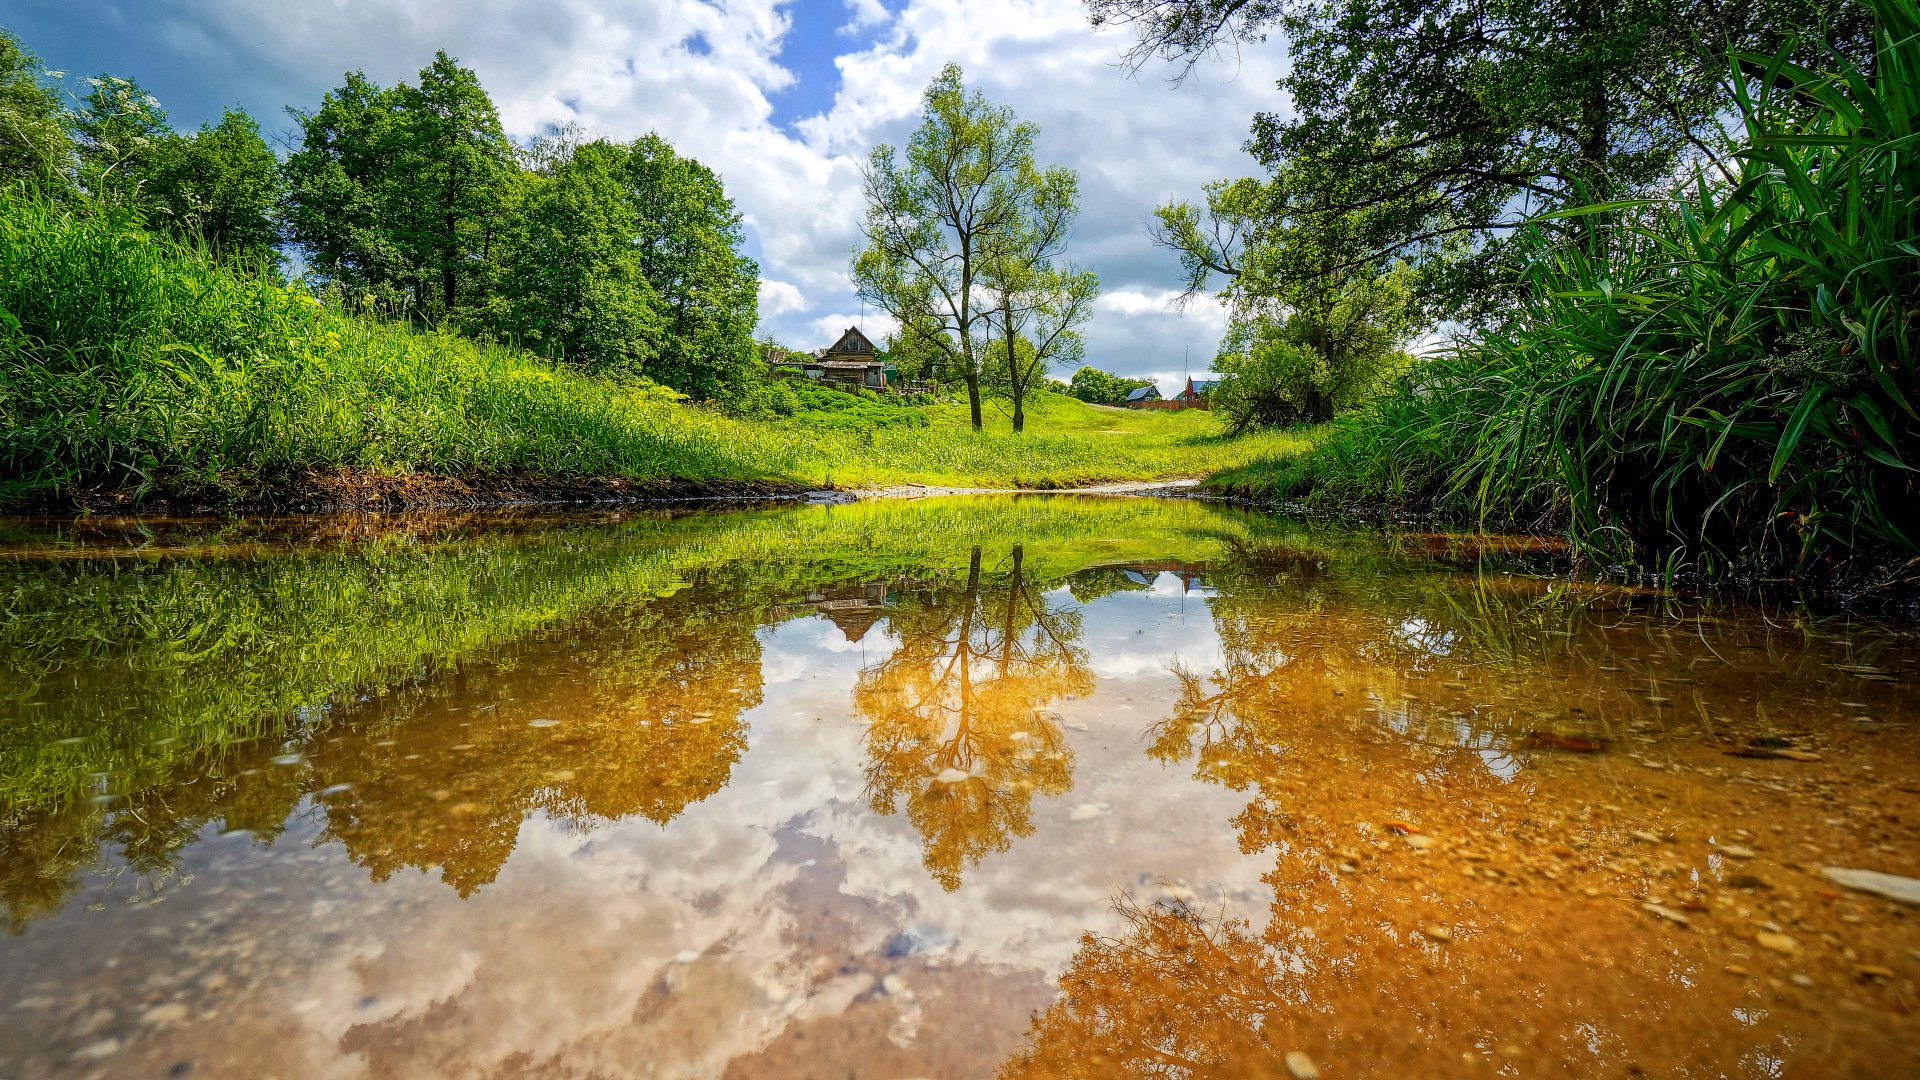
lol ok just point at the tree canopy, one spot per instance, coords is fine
(1426, 132)
(965, 224)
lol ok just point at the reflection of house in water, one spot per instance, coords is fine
(1143, 574)
(853, 607)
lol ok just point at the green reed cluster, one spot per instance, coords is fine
(1726, 376)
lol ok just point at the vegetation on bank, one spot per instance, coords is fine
(129, 361)
(1721, 371)
(1730, 372)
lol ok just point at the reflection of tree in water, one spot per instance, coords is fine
(1488, 939)
(638, 712)
(1176, 994)
(958, 724)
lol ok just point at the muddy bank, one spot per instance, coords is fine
(365, 491)
(319, 492)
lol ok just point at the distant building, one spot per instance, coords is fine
(1195, 395)
(851, 362)
(1139, 396)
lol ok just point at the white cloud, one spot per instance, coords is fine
(779, 298)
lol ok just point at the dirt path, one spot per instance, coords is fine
(919, 491)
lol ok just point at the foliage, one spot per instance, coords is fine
(1097, 387)
(117, 131)
(688, 237)
(573, 289)
(128, 360)
(618, 258)
(33, 139)
(219, 186)
(950, 227)
(396, 194)
(1730, 372)
(1313, 331)
(1419, 129)
(1338, 350)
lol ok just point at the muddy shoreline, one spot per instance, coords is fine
(336, 492)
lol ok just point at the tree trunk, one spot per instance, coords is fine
(1013, 369)
(970, 371)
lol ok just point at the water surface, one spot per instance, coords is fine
(1026, 787)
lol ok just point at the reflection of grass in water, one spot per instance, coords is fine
(125, 666)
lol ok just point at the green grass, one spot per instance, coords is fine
(129, 362)
(1728, 377)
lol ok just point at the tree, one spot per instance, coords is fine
(1314, 330)
(1097, 387)
(951, 214)
(220, 185)
(572, 289)
(1428, 131)
(117, 131)
(1041, 307)
(398, 194)
(33, 142)
(687, 238)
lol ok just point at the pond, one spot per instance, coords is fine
(968, 787)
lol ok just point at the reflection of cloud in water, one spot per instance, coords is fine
(801, 649)
(1135, 633)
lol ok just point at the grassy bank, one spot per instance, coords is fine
(1728, 378)
(129, 363)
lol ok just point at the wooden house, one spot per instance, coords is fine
(850, 363)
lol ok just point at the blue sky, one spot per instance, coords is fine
(784, 98)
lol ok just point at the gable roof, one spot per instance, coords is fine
(1143, 393)
(851, 341)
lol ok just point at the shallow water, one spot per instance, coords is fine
(1033, 787)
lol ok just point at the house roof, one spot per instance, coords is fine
(852, 342)
(1143, 393)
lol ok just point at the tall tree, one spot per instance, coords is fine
(219, 185)
(33, 142)
(1429, 130)
(454, 165)
(1040, 313)
(687, 238)
(340, 191)
(399, 193)
(944, 213)
(1314, 330)
(117, 130)
(573, 289)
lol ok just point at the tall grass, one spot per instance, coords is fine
(1726, 376)
(128, 361)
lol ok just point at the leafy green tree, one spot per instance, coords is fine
(1314, 330)
(1426, 131)
(454, 165)
(573, 289)
(687, 239)
(1041, 311)
(952, 213)
(398, 193)
(1097, 387)
(220, 185)
(118, 130)
(33, 140)
(340, 193)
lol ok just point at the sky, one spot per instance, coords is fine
(783, 98)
